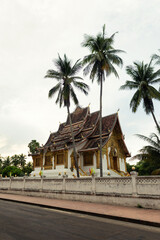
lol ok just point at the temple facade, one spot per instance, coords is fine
(56, 157)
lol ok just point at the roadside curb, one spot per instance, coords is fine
(124, 219)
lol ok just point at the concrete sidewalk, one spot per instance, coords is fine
(136, 215)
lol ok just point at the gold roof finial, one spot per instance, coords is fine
(118, 110)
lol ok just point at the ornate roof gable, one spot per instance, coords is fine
(86, 129)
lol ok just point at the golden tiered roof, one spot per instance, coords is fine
(86, 130)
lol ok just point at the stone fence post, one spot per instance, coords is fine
(41, 187)
(24, 181)
(64, 184)
(10, 183)
(93, 184)
(134, 185)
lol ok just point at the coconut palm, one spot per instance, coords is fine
(143, 77)
(6, 162)
(156, 57)
(100, 63)
(151, 152)
(22, 160)
(67, 81)
(15, 160)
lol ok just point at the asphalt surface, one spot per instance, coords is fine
(24, 222)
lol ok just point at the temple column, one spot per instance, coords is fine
(53, 161)
(107, 158)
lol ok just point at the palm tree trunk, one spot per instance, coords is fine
(155, 119)
(74, 146)
(100, 127)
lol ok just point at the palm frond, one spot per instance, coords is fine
(53, 90)
(149, 140)
(129, 85)
(135, 101)
(65, 73)
(73, 96)
(83, 87)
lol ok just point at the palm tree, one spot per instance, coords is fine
(15, 160)
(100, 63)
(22, 160)
(67, 80)
(156, 57)
(151, 152)
(143, 77)
(6, 162)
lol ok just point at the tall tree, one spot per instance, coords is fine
(15, 160)
(22, 160)
(6, 162)
(100, 63)
(143, 77)
(33, 146)
(66, 75)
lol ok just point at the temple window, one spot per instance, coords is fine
(60, 159)
(88, 159)
(37, 162)
(48, 161)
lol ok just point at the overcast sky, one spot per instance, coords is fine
(33, 32)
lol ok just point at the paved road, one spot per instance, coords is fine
(25, 222)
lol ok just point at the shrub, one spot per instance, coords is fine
(12, 171)
(156, 172)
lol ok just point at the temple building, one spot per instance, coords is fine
(56, 157)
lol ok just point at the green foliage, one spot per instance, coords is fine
(15, 160)
(156, 57)
(66, 76)
(156, 172)
(99, 63)
(143, 77)
(149, 156)
(27, 169)
(129, 167)
(16, 165)
(33, 146)
(151, 152)
(12, 171)
(144, 168)
(102, 57)
(22, 160)
(6, 162)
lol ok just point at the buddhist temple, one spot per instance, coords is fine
(56, 157)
